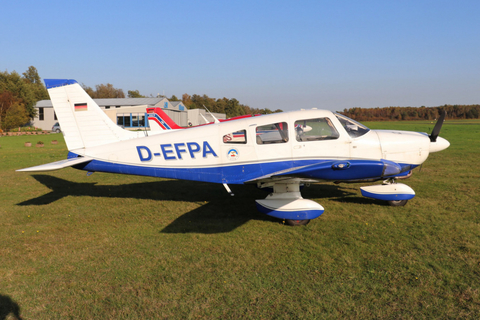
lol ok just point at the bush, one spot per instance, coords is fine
(26, 129)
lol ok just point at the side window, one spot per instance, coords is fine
(236, 137)
(272, 133)
(315, 129)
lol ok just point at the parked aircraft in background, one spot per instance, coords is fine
(158, 120)
(279, 151)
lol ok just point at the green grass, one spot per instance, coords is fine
(125, 247)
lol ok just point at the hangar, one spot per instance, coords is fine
(130, 113)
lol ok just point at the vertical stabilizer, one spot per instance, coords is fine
(83, 123)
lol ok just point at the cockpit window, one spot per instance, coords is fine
(315, 129)
(353, 128)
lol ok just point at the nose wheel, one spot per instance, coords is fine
(397, 203)
(396, 194)
(297, 223)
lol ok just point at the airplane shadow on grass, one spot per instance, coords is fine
(221, 213)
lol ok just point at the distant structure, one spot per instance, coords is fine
(130, 113)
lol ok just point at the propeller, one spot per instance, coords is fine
(438, 126)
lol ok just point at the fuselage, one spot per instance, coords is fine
(236, 151)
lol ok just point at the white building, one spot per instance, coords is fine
(130, 112)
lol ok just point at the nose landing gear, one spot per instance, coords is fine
(297, 223)
(396, 194)
(397, 203)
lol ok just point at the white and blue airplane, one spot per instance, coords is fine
(271, 151)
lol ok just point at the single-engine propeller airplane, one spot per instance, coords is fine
(281, 151)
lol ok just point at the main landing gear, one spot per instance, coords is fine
(286, 202)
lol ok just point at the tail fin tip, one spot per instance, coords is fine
(53, 83)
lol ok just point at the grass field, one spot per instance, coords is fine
(124, 247)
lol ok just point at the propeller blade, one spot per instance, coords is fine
(438, 126)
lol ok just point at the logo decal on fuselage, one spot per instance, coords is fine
(232, 154)
(176, 151)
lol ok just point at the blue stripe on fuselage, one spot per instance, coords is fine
(238, 174)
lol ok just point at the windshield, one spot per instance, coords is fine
(353, 128)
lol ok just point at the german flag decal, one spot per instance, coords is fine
(81, 107)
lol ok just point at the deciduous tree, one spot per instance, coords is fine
(28, 88)
(134, 94)
(104, 91)
(12, 111)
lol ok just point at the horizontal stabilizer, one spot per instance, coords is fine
(57, 165)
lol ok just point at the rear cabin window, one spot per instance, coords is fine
(272, 133)
(236, 137)
(315, 129)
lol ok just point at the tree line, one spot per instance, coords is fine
(231, 107)
(20, 93)
(413, 113)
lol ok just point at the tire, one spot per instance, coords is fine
(297, 223)
(57, 131)
(397, 203)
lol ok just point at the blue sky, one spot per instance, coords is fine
(266, 54)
